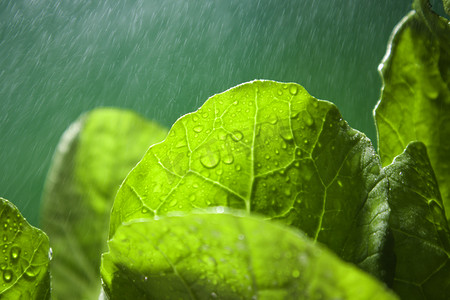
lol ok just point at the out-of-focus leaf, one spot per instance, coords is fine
(24, 257)
(225, 256)
(419, 226)
(92, 159)
(270, 148)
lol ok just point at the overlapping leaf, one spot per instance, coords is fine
(421, 232)
(225, 256)
(92, 159)
(270, 148)
(24, 259)
(415, 100)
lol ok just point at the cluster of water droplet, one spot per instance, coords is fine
(14, 259)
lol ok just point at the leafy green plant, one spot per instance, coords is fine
(263, 193)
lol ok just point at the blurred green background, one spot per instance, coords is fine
(165, 58)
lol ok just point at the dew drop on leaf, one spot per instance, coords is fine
(15, 253)
(32, 271)
(293, 90)
(7, 275)
(309, 121)
(211, 160)
(198, 129)
(237, 136)
(228, 159)
(286, 135)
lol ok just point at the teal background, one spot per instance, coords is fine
(165, 58)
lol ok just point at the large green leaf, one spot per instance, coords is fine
(24, 259)
(415, 99)
(270, 148)
(224, 256)
(92, 159)
(420, 229)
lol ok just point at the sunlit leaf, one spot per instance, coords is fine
(270, 148)
(225, 256)
(24, 259)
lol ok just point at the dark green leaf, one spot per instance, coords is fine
(421, 233)
(415, 100)
(24, 259)
(92, 159)
(224, 256)
(270, 148)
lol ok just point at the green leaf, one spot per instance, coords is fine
(92, 159)
(419, 226)
(224, 256)
(270, 148)
(24, 259)
(415, 99)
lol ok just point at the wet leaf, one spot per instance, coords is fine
(270, 148)
(92, 159)
(419, 226)
(24, 257)
(225, 256)
(415, 100)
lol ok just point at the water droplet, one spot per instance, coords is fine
(3, 266)
(5, 238)
(238, 167)
(228, 159)
(295, 273)
(286, 135)
(237, 136)
(283, 145)
(7, 275)
(173, 202)
(305, 141)
(198, 128)
(293, 90)
(192, 197)
(235, 102)
(211, 160)
(267, 156)
(32, 271)
(50, 253)
(205, 115)
(181, 144)
(309, 121)
(195, 185)
(195, 118)
(15, 253)
(144, 210)
(280, 92)
(273, 119)
(220, 209)
(298, 152)
(340, 183)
